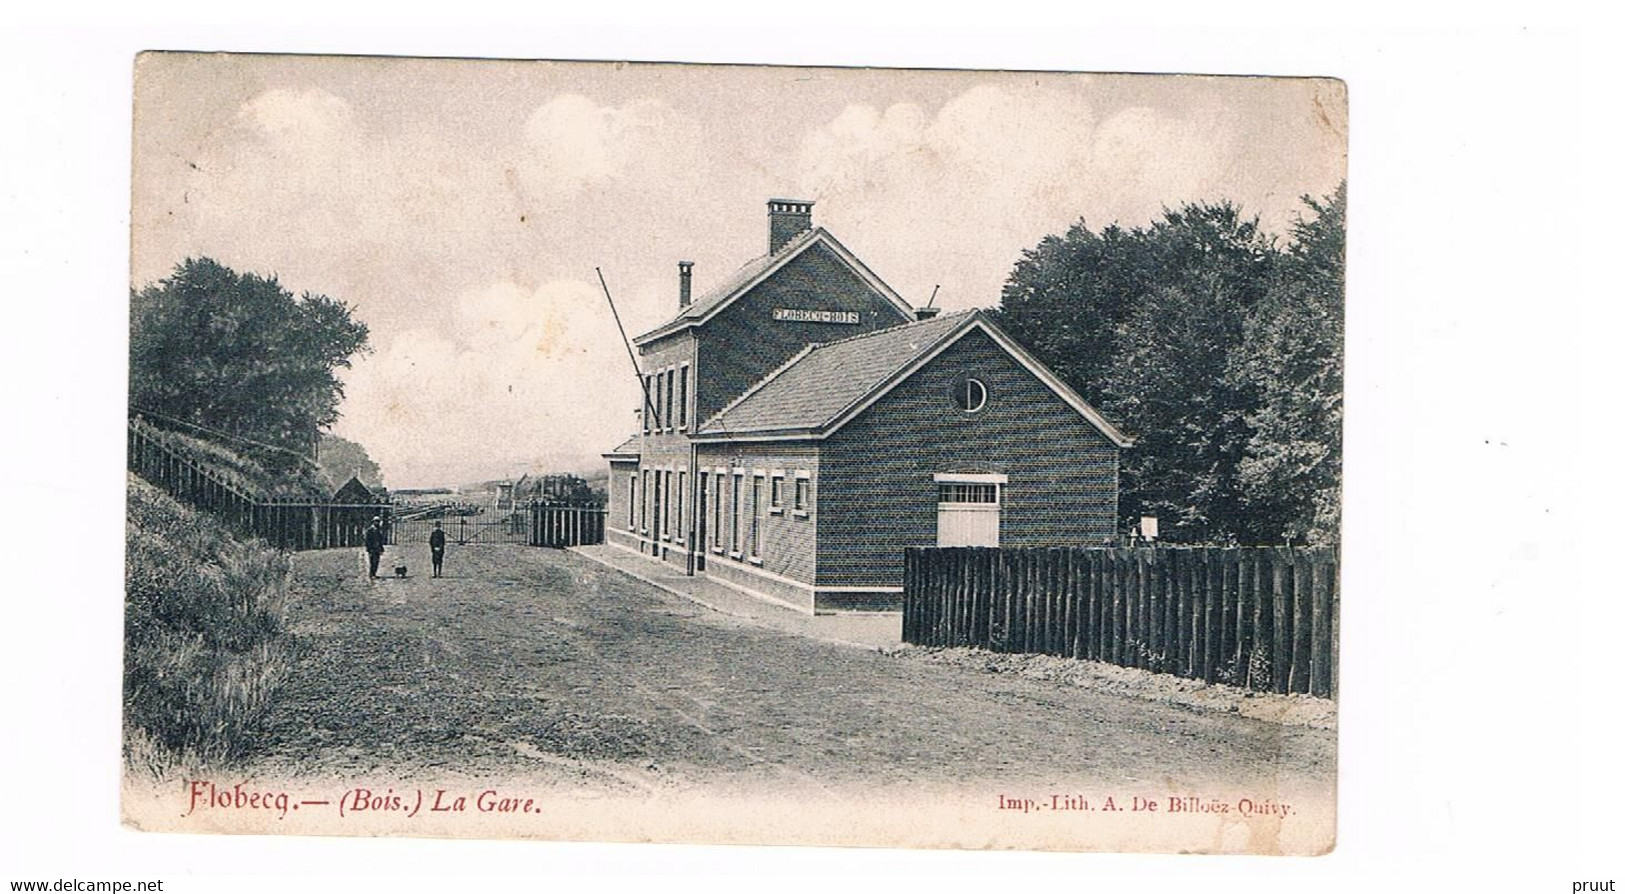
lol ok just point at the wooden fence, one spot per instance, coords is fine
(286, 524)
(560, 525)
(1262, 618)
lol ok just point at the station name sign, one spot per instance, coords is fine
(793, 315)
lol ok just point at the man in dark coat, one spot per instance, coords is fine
(375, 545)
(437, 547)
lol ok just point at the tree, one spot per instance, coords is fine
(1066, 298)
(239, 353)
(1167, 380)
(1143, 322)
(1292, 358)
(341, 458)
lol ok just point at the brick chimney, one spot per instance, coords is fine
(926, 313)
(685, 283)
(786, 219)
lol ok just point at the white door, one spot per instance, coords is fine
(968, 509)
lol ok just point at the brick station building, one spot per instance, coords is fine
(804, 425)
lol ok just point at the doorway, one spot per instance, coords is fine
(968, 509)
(702, 515)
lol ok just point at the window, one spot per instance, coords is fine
(665, 515)
(644, 503)
(648, 402)
(656, 382)
(670, 375)
(733, 514)
(756, 517)
(716, 514)
(969, 394)
(682, 482)
(654, 520)
(632, 502)
(962, 492)
(803, 493)
(682, 397)
(775, 503)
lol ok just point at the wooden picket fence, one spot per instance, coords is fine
(1262, 618)
(285, 524)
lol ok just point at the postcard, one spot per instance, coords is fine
(644, 452)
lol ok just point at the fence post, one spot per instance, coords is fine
(1302, 621)
(1070, 593)
(1320, 680)
(1229, 601)
(1281, 669)
(1336, 623)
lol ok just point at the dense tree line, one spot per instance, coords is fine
(1218, 347)
(238, 353)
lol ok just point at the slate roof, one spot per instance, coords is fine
(819, 389)
(747, 276)
(813, 388)
(632, 446)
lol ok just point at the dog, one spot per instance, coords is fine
(400, 571)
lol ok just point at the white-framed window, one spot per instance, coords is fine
(632, 502)
(658, 516)
(802, 497)
(661, 419)
(734, 512)
(648, 495)
(775, 493)
(716, 509)
(665, 504)
(969, 394)
(671, 381)
(758, 483)
(682, 397)
(648, 402)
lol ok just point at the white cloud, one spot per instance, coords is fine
(400, 221)
(954, 198)
(576, 142)
(522, 378)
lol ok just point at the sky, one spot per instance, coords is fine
(461, 207)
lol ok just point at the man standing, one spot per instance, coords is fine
(437, 547)
(375, 545)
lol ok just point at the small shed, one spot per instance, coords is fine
(354, 491)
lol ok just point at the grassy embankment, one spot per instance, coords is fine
(205, 641)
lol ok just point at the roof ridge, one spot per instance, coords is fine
(713, 300)
(686, 315)
(890, 329)
(761, 383)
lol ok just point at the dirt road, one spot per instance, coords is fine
(537, 662)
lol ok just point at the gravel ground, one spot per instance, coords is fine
(1292, 710)
(541, 664)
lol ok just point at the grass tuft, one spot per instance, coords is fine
(205, 646)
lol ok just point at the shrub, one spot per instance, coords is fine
(204, 637)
